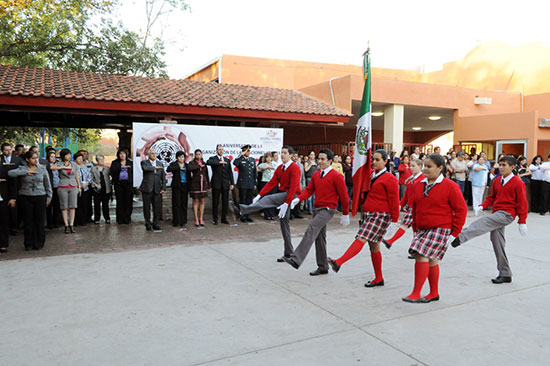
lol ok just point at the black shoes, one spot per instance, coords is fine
(426, 300)
(318, 272)
(3, 250)
(335, 267)
(455, 242)
(156, 227)
(72, 229)
(248, 219)
(291, 261)
(388, 245)
(214, 222)
(417, 301)
(501, 279)
(225, 222)
(282, 259)
(148, 227)
(374, 284)
(67, 230)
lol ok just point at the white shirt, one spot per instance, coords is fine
(536, 173)
(374, 174)
(506, 180)
(7, 159)
(545, 167)
(286, 165)
(438, 180)
(324, 172)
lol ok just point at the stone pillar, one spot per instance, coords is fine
(393, 126)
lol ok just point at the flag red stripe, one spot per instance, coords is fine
(361, 184)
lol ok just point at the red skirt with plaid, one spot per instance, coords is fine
(431, 243)
(407, 220)
(374, 226)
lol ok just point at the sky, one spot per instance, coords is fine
(409, 34)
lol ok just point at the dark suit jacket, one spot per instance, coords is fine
(154, 180)
(9, 188)
(174, 168)
(222, 175)
(247, 172)
(115, 171)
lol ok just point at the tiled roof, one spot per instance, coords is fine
(38, 82)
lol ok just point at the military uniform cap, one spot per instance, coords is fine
(245, 147)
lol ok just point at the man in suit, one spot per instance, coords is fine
(246, 181)
(152, 187)
(222, 182)
(8, 192)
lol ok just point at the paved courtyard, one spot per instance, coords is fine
(121, 296)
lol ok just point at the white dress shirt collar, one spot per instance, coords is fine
(438, 180)
(374, 174)
(287, 164)
(324, 172)
(506, 180)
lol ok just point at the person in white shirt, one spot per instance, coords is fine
(545, 201)
(536, 184)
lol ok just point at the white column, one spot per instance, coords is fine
(393, 126)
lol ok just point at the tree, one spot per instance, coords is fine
(32, 135)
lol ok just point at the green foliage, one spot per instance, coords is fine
(31, 135)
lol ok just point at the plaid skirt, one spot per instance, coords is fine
(431, 243)
(407, 220)
(374, 226)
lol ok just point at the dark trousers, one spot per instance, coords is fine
(124, 202)
(14, 218)
(468, 193)
(216, 200)
(34, 214)
(101, 204)
(245, 197)
(81, 215)
(545, 197)
(154, 199)
(89, 207)
(179, 205)
(4, 224)
(53, 211)
(536, 195)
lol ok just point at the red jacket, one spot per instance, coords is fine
(288, 181)
(444, 207)
(407, 197)
(383, 196)
(510, 198)
(404, 173)
(327, 190)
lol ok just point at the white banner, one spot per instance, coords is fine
(168, 139)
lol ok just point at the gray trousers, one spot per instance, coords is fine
(495, 224)
(273, 200)
(315, 232)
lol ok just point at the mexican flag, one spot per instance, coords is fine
(363, 142)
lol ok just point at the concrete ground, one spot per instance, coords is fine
(216, 296)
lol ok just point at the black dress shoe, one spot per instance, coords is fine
(374, 284)
(299, 217)
(225, 222)
(425, 300)
(318, 272)
(148, 227)
(455, 242)
(388, 245)
(292, 262)
(3, 250)
(214, 222)
(501, 279)
(156, 227)
(335, 267)
(248, 219)
(72, 229)
(417, 301)
(282, 259)
(67, 230)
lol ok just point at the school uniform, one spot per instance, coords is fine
(406, 201)
(404, 174)
(329, 186)
(287, 176)
(380, 208)
(508, 201)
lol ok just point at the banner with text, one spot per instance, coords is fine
(168, 139)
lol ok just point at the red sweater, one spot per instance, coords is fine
(443, 208)
(404, 173)
(510, 198)
(327, 190)
(289, 181)
(407, 197)
(383, 196)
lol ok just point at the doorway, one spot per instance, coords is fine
(515, 147)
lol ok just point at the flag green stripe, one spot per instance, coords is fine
(365, 104)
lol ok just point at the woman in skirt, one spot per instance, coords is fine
(380, 208)
(406, 202)
(200, 183)
(439, 212)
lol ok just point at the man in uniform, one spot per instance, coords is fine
(221, 183)
(246, 182)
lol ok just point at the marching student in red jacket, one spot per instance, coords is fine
(381, 208)
(406, 202)
(439, 212)
(508, 201)
(328, 185)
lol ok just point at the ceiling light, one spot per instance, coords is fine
(377, 114)
(417, 128)
(434, 118)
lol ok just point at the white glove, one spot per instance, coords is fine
(344, 220)
(392, 229)
(282, 210)
(294, 203)
(451, 239)
(478, 209)
(522, 229)
(256, 199)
